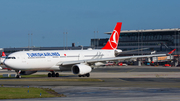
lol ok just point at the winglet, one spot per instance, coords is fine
(3, 54)
(171, 51)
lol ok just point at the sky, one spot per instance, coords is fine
(41, 23)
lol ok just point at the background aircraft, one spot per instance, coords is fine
(2, 58)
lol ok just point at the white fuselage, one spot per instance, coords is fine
(47, 60)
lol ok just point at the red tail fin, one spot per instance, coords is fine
(171, 51)
(114, 39)
(3, 54)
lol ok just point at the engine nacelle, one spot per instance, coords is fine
(81, 69)
(27, 72)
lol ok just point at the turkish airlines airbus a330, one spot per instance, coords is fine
(80, 62)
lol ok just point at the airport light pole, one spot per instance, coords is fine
(175, 42)
(31, 40)
(141, 45)
(28, 40)
(63, 39)
(94, 39)
(178, 44)
(97, 39)
(66, 39)
(138, 42)
(141, 41)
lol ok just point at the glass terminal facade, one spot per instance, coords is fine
(160, 40)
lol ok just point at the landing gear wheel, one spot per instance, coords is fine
(57, 74)
(18, 76)
(88, 74)
(53, 75)
(49, 75)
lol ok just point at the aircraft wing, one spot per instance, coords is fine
(110, 59)
(118, 53)
(106, 59)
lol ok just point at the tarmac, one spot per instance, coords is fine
(130, 83)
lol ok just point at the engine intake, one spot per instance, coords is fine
(81, 69)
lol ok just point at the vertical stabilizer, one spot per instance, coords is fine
(112, 43)
(3, 54)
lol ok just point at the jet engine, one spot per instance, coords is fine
(81, 69)
(27, 72)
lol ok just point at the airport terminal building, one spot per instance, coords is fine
(159, 40)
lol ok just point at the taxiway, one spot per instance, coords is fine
(119, 83)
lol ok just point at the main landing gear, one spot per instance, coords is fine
(18, 73)
(53, 74)
(85, 75)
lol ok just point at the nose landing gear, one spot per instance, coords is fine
(18, 73)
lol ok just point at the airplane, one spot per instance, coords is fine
(3, 58)
(2, 61)
(80, 62)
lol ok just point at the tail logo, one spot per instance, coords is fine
(114, 40)
(114, 37)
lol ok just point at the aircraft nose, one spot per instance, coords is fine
(6, 63)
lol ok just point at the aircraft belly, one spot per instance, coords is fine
(60, 68)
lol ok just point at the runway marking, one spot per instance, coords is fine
(123, 80)
(131, 70)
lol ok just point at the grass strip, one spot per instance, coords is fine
(23, 93)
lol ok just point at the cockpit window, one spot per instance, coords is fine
(11, 58)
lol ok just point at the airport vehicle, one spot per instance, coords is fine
(110, 64)
(80, 62)
(122, 64)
